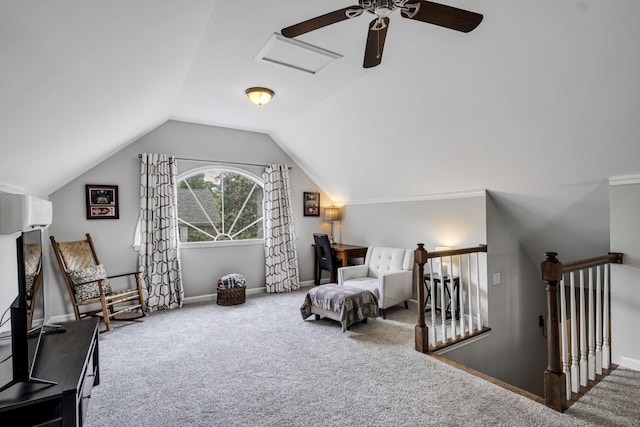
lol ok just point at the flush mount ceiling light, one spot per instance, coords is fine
(259, 95)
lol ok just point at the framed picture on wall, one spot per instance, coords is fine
(102, 201)
(311, 204)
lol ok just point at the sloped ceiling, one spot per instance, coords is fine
(540, 104)
(81, 79)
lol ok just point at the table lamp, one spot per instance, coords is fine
(331, 214)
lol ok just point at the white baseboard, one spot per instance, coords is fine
(624, 180)
(463, 343)
(212, 297)
(188, 300)
(629, 363)
(250, 291)
(61, 318)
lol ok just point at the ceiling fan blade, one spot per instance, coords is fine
(322, 21)
(442, 15)
(375, 42)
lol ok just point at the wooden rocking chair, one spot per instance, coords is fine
(89, 285)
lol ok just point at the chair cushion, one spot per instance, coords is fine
(382, 260)
(365, 283)
(89, 274)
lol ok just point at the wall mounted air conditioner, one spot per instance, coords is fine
(20, 212)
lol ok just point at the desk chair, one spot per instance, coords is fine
(326, 257)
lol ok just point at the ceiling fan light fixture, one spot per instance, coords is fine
(259, 95)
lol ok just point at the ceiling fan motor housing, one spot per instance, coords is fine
(380, 8)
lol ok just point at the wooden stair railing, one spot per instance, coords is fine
(456, 273)
(569, 368)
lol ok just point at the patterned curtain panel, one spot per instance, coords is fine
(281, 269)
(158, 259)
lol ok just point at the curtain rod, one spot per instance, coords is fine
(220, 161)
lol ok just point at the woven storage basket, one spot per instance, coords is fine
(231, 296)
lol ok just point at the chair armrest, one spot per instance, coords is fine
(136, 278)
(123, 274)
(397, 283)
(352, 272)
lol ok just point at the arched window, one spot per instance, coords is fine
(219, 204)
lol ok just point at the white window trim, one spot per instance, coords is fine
(210, 244)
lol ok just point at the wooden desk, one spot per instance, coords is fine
(343, 253)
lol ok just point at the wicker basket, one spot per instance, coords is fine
(231, 296)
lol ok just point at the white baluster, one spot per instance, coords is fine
(432, 301)
(479, 322)
(460, 304)
(575, 370)
(583, 334)
(443, 306)
(598, 321)
(469, 294)
(606, 351)
(466, 296)
(591, 358)
(564, 339)
(452, 299)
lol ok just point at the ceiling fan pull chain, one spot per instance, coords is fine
(379, 53)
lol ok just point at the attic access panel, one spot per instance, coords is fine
(295, 54)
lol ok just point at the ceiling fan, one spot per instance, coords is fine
(419, 10)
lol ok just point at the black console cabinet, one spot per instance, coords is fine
(70, 359)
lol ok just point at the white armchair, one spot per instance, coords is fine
(387, 273)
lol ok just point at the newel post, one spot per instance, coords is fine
(554, 379)
(421, 330)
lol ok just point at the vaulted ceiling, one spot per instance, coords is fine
(540, 104)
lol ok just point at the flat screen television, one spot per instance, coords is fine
(23, 322)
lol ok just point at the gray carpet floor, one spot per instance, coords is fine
(260, 364)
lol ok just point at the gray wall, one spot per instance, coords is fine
(202, 266)
(625, 279)
(515, 349)
(455, 223)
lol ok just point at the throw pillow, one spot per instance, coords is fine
(90, 274)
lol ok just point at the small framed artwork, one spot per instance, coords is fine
(102, 201)
(311, 204)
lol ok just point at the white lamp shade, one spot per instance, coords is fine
(331, 214)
